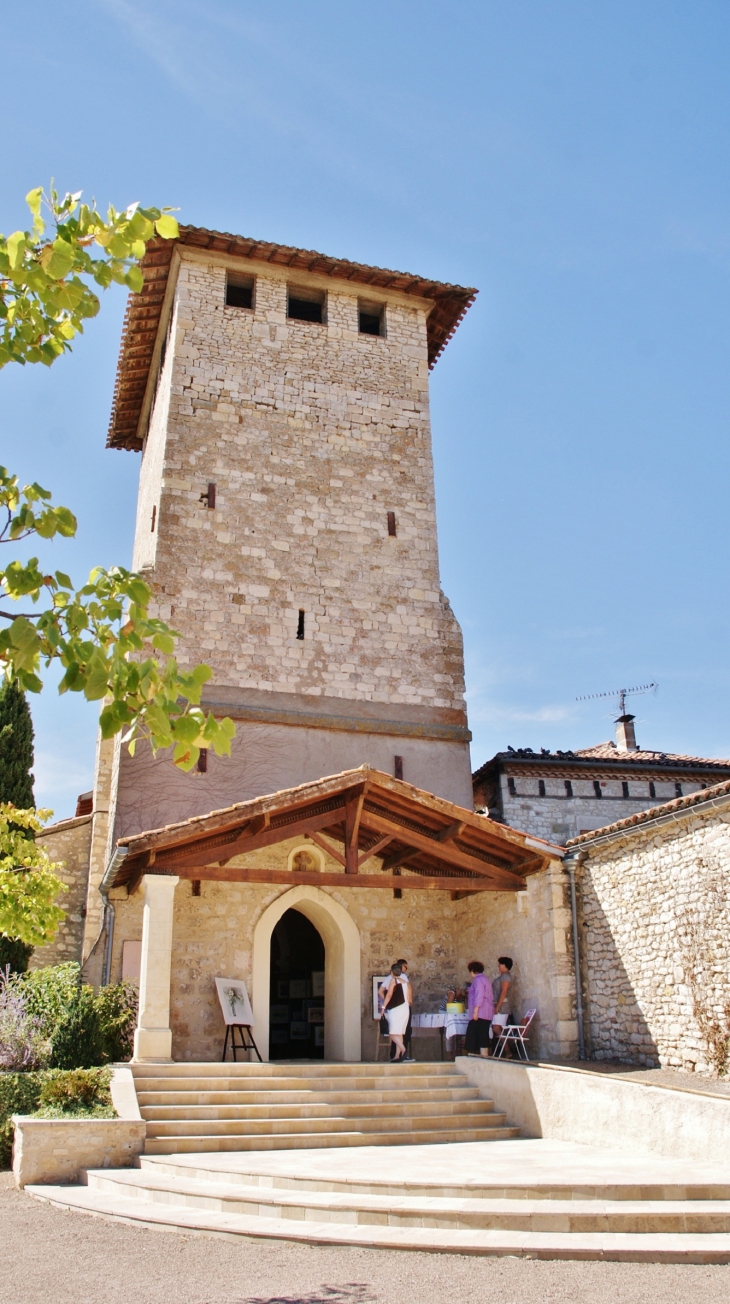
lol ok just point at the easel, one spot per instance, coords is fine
(243, 1028)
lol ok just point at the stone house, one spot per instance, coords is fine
(560, 795)
(653, 894)
(286, 524)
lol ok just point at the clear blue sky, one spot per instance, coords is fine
(568, 159)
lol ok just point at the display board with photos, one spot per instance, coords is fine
(296, 1015)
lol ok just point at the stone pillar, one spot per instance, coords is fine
(153, 1038)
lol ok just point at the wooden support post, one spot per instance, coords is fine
(353, 811)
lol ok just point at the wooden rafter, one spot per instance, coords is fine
(315, 878)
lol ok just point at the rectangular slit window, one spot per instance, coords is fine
(303, 304)
(652, 790)
(196, 887)
(154, 518)
(625, 788)
(597, 788)
(398, 767)
(391, 524)
(300, 625)
(370, 318)
(541, 787)
(678, 790)
(568, 788)
(239, 291)
(512, 787)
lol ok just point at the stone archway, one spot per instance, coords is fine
(341, 975)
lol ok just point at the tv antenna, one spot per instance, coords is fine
(621, 694)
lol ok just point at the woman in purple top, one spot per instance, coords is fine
(481, 1009)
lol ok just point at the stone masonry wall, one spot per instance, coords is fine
(311, 433)
(533, 927)
(69, 842)
(559, 818)
(656, 957)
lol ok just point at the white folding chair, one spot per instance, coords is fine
(517, 1033)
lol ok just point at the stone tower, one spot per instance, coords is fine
(286, 519)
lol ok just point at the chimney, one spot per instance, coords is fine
(625, 736)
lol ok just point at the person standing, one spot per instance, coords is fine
(480, 1012)
(501, 992)
(407, 1058)
(396, 1008)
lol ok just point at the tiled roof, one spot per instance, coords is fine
(144, 310)
(602, 753)
(655, 812)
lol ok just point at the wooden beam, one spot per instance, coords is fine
(247, 874)
(443, 851)
(248, 842)
(451, 831)
(353, 812)
(327, 846)
(397, 858)
(374, 850)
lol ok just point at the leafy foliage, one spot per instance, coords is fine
(19, 1094)
(45, 281)
(78, 1041)
(16, 747)
(117, 1006)
(75, 1091)
(50, 992)
(28, 884)
(14, 954)
(23, 1045)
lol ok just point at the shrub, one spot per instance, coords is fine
(76, 1092)
(19, 1094)
(51, 992)
(117, 1007)
(23, 1042)
(14, 954)
(78, 1042)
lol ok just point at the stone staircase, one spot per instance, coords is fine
(505, 1198)
(241, 1107)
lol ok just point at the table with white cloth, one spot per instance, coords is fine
(447, 1022)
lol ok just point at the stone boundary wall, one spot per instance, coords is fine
(57, 1149)
(68, 842)
(655, 926)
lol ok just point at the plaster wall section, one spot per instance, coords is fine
(312, 434)
(153, 461)
(533, 927)
(656, 923)
(68, 843)
(558, 817)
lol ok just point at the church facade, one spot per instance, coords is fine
(286, 525)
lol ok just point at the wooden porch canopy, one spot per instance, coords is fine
(420, 840)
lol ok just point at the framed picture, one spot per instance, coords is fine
(319, 1035)
(318, 982)
(234, 1001)
(298, 1031)
(315, 1014)
(377, 998)
(298, 989)
(278, 1014)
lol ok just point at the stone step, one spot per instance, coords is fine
(288, 1068)
(317, 1109)
(496, 1214)
(210, 1169)
(405, 1098)
(269, 1125)
(203, 1082)
(650, 1247)
(203, 1142)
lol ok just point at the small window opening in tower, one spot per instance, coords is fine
(391, 524)
(370, 317)
(239, 291)
(568, 788)
(512, 787)
(203, 761)
(678, 790)
(541, 787)
(154, 518)
(597, 788)
(300, 625)
(398, 767)
(196, 886)
(209, 496)
(303, 304)
(625, 788)
(652, 790)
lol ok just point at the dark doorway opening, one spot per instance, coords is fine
(296, 1003)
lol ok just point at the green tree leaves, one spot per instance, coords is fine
(28, 883)
(46, 284)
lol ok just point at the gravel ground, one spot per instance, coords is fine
(48, 1256)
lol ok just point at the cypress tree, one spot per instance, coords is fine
(16, 747)
(16, 786)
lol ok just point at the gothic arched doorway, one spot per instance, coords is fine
(296, 1008)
